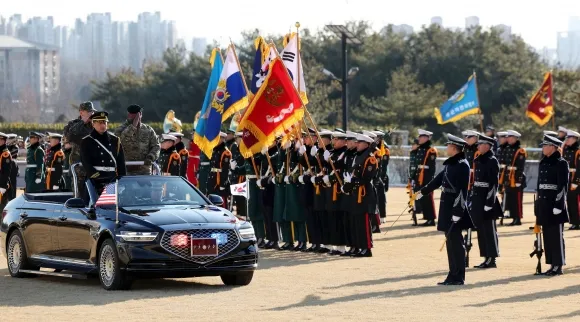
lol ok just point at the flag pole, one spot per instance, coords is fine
(479, 103)
(553, 110)
(117, 201)
(239, 66)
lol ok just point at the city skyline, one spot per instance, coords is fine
(538, 27)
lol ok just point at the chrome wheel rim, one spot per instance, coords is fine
(14, 254)
(107, 265)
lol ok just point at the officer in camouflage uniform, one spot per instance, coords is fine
(74, 132)
(53, 164)
(237, 174)
(34, 163)
(139, 141)
(169, 160)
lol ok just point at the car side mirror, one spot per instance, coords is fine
(75, 203)
(216, 200)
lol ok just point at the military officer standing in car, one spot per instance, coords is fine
(217, 181)
(453, 215)
(551, 210)
(102, 154)
(5, 169)
(169, 160)
(485, 208)
(34, 164)
(74, 132)
(425, 158)
(139, 140)
(572, 156)
(514, 178)
(54, 163)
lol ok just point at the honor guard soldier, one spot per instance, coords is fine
(501, 147)
(238, 174)
(348, 200)
(453, 213)
(490, 132)
(217, 181)
(67, 149)
(5, 169)
(485, 207)
(562, 133)
(309, 164)
(294, 217)
(183, 153)
(426, 160)
(280, 165)
(336, 211)
(382, 185)
(470, 150)
(12, 145)
(322, 192)
(255, 211)
(169, 159)
(102, 155)
(375, 219)
(54, 163)
(572, 155)
(551, 210)
(359, 184)
(266, 182)
(193, 162)
(514, 178)
(34, 163)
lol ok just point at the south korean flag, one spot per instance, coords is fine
(294, 65)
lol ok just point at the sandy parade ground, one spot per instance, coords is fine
(397, 283)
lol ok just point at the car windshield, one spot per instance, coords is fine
(140, 191)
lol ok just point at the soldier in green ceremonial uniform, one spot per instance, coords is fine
(281, 167)
(308, 166)
(238, 174)
(34, 164)
(294, 214)
(169, 160)
(255, 212)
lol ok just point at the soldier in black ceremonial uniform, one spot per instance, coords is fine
(470, 150)
(562, 133)
(255, 211)
(425, 161)
(183, 153)
(238, 173)
(348, 200)
(375, 218)
(54, 163)
(34, 163)
(550, 207)
(13, 148)
(169, 159)
(322, 191)
(411, 180)
(501, 148)
(514, 178)
(336, 211)
(359, 184)
(294, 217)
(102, 155)
(310, 167)
(490, 132)
(266, 182)
(484, 205)
(5, 170)
(217, 181)
(572, 155)
(453, 213)
(382, 181)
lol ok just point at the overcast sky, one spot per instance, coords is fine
(536, 21)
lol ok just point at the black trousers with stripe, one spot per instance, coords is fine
(554, 245)
(487, 239)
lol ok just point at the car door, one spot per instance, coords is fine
(75, 237)
(39, 228)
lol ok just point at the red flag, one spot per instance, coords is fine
(541, 106)
(273, 111)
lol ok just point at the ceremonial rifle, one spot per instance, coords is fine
(468, 244)
(412, 203)
(538, 249)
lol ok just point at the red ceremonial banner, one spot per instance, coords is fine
(541, 106)
(274, 110)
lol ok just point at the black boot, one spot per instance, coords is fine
(554, 271)
(483, 264)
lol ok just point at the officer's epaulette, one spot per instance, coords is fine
(523, 151)
(184, 152)
(175, 155)
(59, 153)
(6, 154)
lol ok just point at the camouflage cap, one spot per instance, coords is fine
(87, 106)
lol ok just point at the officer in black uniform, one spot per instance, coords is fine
(426, 161)
(183, 153)
(5, 170)
(571, 153)
(348, 200)
(238, 173)
(485, 207)
(54, 162)
(470, 150)
(217, 181)
(169, 159)
(501, 149)
(310, 165)
(102, 154)
(453, 213)
(562, 133)
(490, 132)
(551, 210)
(266, 182)
(514, 178)
(382, 180)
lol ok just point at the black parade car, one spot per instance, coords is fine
(138, 227)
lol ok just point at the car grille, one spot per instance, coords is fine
(185, 252)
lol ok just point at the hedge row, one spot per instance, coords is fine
(23, 129)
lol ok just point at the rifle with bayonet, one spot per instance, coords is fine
(468, 245)
(538, 249)
(412, 203)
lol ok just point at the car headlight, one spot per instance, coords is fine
(138, 236)
(247, 233)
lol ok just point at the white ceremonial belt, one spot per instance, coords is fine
(64, 171)
(216, 170)
(512, 168)
(31, 165)
(195, 156)
(49, 169)
(481, 184)
(423, 167)
(545, 186)
(105, 169)
(251, 176)
(166, 173)
(204, 163)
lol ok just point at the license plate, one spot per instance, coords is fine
(204, 247)
(221, 238)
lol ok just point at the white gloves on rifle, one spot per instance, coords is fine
(302, 150)
(347, 177)
(222, 188)
(259, 183)
(233, 164)
(326, 180)
(264, 150)
(37, 180)
(301, 179)
(455, 218)
(418, 196)
(55, 187)
(286, 179)
(574, 186)
(313, 180)
(557, 211)
(287, 145)
(326, 155)
(518, 184)
(313, 151)
(487, 208)
(2, 191)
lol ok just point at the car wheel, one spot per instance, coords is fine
(17, 258)
(111, 276)
(237, 279)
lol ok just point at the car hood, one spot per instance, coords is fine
(170, 215)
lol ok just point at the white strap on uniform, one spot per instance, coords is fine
(31, 166)
(105, 169)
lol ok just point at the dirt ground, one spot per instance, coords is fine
(398, 283)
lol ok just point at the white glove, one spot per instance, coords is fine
(347, 177)
(233, 164)
(326, 155)
(418, 196)
(301, 179)
(2, 190)
(455, 218)
(298, 144)
(574, 186)
(326, 180)
(331, 173)
(286, 179)
(557, 211)
(222, 188)
(287, 145)
(313, 180)
(313, 151)
(37, 180)
(518, 184)
(302, 150)
(259, 183)
(271, 180)
(486, 208)
(265, 150)
(55, 187)
(506, 214)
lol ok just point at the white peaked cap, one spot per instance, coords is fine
(364, 138)
(424, 132)
(168, 137)
(513, 133)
